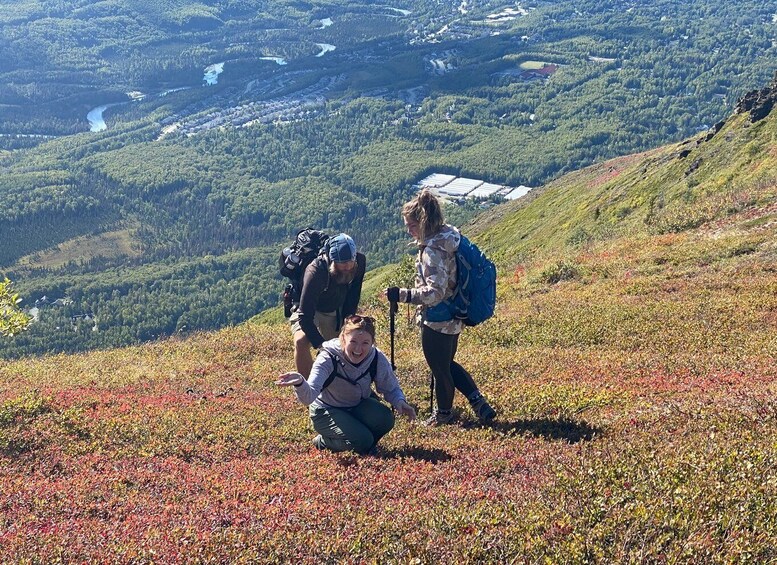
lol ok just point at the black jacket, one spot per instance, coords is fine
(319, 295)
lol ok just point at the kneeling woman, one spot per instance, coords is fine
(344, 410)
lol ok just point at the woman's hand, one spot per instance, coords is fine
(392, 294)
(289, 379)
(404, 409)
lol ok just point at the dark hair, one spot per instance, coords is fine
(356, 323)
(425, 209)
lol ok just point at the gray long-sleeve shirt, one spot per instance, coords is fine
(347, 392)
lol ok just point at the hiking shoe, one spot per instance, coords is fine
(372, 451)
(439, 419)
(483, 410)
(318, 442)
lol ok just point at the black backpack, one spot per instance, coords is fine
(308, 244)
(372, 370)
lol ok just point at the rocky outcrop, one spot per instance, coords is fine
(758, 102)
(712, 131)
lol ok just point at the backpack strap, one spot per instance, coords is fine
(372, 371)
(299, 282)
(323, 259)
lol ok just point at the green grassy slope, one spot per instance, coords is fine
(671, 189)
(631, 360)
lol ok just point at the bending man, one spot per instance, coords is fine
(331, 289)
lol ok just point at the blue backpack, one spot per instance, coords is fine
(474, 299)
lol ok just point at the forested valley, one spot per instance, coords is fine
(171, 218)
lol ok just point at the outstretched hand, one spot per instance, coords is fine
(404, 409)
(290, 379)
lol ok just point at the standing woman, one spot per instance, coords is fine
(344, 411)
(435, 281)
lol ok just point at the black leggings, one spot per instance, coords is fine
(439, 350)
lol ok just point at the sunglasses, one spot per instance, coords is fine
(358, 319)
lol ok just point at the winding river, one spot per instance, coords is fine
(278, 60)
(95, 117)
(403, 12)
(212, 73)
(210, 77)
(325, 48)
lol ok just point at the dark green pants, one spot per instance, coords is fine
(353, 429)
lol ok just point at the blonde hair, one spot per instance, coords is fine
(425, 209)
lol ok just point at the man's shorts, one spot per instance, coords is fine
(326, 322)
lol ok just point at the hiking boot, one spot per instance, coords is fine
(439, 418)
(318, 442)
(483, 410)
(372, 451)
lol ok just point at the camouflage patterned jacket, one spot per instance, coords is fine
(435, 278)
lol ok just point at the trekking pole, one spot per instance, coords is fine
(431, 394)
(393, 307)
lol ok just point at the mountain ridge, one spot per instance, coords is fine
(646, 191)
